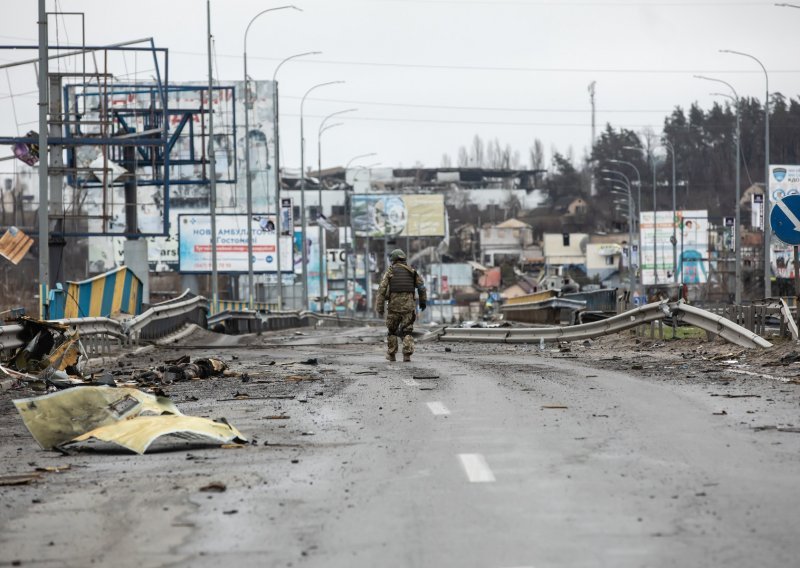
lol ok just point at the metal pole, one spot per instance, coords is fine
(738, 224)
(639, 181)
(655, 221)
(212, 170)
(44, 205)
(737, 242)
(322, 276)
(674, 239)
(248, 178)
(278, 208)
(767, 228)
(303, 215)
(276, 152)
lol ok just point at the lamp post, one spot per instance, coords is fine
(767, 228)
(674, 238)
(276, 152)
(639, 201)
(303, 215)
(248, 103)
(652, 160)
(627, 188)
(323, 274)
(212, 170)
(355, 256)
(738, 211)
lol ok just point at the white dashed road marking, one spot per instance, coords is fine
(438, 409)
(476, 468)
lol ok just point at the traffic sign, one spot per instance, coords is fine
(785, 219)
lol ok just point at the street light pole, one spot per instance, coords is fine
(639, 201)
(44, 200)
(303, 215)
(212, 172)
(276, 152)
(767, 228)
(674, 239)
(323, 274)
(627, 187)
(737, 243)
(349, 228)
(248, 103)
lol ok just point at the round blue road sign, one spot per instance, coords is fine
(785, 219)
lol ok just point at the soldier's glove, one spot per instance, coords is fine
(422, 305)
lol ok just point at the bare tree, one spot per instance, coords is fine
(463, 157)
(536, 154)
(447, 162)
(478, 157)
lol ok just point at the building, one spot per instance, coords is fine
(510, 240)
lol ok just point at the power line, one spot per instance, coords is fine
(440, 67)
(476, 122)
(454, 107)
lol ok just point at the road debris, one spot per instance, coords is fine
(424, 377)
(214, 487)
(56, 418)
(123, 416)
(137, 434)
(20, 479)
(50, 347)
(554, 407)
(720, 413)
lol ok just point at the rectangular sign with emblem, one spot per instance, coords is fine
(194, 243)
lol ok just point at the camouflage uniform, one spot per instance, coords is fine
(402, 309)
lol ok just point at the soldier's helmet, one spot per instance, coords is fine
(397, 254)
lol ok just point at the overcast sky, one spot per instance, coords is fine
(427, 75)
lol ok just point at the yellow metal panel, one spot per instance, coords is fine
(96, 305)
(119, 286)
(71, 304)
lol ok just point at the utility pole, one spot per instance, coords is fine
(44, 202)
(593, 189)
(212, 170)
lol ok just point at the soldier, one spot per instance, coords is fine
(397, 287)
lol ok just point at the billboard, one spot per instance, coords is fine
(691, 231)
(189, 191)
(194, 244)
(398, 215)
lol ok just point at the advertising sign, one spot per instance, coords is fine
(398, 215)
(692, 246)
(783, 181)
(335, 265)
(757, 211)
(194, 244)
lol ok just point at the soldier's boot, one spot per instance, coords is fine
(408, 347)
(391, 348)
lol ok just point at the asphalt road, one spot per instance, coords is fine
(483, 456)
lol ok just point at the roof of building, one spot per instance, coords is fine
(513, 224)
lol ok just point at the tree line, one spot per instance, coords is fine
(704, 143)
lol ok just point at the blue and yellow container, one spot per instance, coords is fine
(117, 291)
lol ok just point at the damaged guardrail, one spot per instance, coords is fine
(162, 319)
(644, 314)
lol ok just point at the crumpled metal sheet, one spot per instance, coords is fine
(56, 418)
(138, 433)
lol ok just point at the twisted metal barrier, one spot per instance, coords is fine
(655, 311)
